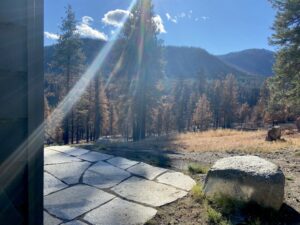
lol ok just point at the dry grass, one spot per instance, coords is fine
(232, 140)
(216, 140)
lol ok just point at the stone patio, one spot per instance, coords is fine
(83, 187)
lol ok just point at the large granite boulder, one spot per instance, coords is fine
(247, 178)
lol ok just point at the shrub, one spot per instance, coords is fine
(226, 205)
(215, 217)
(197, 169)
(197, 193)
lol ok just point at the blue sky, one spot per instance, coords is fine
(219, 26)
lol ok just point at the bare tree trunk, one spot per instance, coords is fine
(72, 126)
(97, 110)
(66, 122)
(77, 134)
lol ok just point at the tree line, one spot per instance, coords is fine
(135, 99)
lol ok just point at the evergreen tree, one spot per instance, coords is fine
(216, 98)
(113, 119)
(181, 105)
(285, 86)
(202, 116)
(142, 64)
(244, 113)
(229, 103)
(69, 60)
(104, 111)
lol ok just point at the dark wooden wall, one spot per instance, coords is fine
(21, 112)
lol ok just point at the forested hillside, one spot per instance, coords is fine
(147, 90)
(253, 61)
(187, 62)
(180, 62)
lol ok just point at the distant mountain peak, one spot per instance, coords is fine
(187, 62)
(253, 61)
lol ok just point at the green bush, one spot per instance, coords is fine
(226, 205)
(215, 217)
(197, 193)
(197, 169)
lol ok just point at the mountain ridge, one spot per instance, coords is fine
(255, 61)
(187, 62)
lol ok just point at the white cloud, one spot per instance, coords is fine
(160, 28)
(87, 20)
(85, 30)
(182, 15)
(51, 36)
(116, 17)
(170, 18)
(204, 18)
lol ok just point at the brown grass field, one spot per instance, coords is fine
(215, 140)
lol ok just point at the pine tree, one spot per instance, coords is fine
(69, 60)
(285, 86)
(216, 98)
(202, 116)
(113, 119)
(244, 113)
(97, 121)
(104, 111)
(230, 101)
(181, 105)
(142, 64)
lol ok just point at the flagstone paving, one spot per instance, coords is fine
(85, 187)
(52, 184)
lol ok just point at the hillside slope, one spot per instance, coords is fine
(253, 61)
(188, 62)
(181, 62)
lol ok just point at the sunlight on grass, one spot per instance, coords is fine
(215, 140)
(232, 140)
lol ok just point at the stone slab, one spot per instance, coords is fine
(122, 162)
(95, 156)
(120, 212)
(78, 152)
(147, 171)
(74, 151)
(104, 175)
(75, 201)
(177, 179)
(51, 220)
(148, 192)
(75, 222)
(70, 173)
(52, 184)
(54, 157)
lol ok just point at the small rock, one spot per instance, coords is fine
(274, 134)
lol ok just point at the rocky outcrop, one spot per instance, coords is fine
(248, 179)
(274, 134)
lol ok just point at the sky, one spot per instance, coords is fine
(218, 26)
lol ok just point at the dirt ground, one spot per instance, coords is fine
(186, 211)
